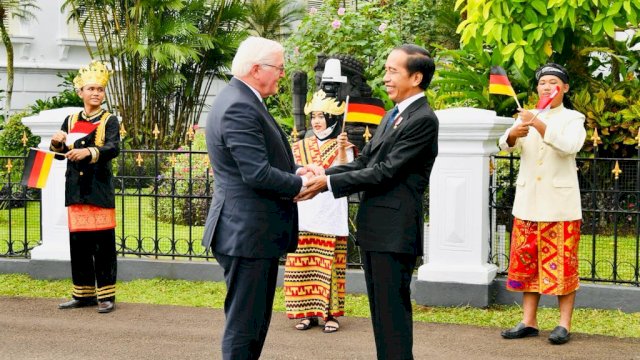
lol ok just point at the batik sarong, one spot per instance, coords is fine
(544, 257)
(314, 278)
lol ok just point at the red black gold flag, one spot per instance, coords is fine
(364, 110)
(36, 168)
(499, 82)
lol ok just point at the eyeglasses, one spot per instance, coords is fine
(280, 68)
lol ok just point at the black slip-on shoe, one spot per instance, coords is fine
(519, 331)
(560, 335)
(75, 303)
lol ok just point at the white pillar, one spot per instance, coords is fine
(55, 229)
(458, 245)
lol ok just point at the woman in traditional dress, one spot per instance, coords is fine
(314, 280)
(547, 210)
(90, 141)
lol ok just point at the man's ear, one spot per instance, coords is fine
(417, 77)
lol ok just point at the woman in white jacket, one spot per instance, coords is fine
(547, 210)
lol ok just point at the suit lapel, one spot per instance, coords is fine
(395, 128)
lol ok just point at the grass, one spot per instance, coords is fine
(211, 295)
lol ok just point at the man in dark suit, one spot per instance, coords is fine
(392, 172)
(253, 219)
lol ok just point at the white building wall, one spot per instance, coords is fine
(43, 48)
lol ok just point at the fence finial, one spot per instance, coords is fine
(492, 167)
(139, 160)
(616, 170)
(9, 166)
(155, 131)
(294, 133)
(24, 139)
(173, 160)
(595, 138)
(190, 133)
(367, 134)
(638, 138)
(123, 132)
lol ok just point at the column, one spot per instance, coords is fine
(457, 270)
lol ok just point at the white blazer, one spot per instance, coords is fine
(547, 184)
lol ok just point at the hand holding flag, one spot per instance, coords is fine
(499, 83)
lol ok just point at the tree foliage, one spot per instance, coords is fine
(18, 9)
(596, 40)
(165, 54)
(273, 19)
(527, 33)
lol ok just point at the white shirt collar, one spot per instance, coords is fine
(404, 104)
(252, 89)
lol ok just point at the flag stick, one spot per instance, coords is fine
(517, 102)
(344, 116)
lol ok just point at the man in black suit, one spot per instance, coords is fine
(392, 172)
(253, 219)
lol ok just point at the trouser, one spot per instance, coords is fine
(251, 286)
(388, 278)
(94, 265)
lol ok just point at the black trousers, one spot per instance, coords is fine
(93, 264)
(251, 286)
(388, 278)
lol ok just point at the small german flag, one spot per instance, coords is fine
(499, 82)
(36, 168)
(364, 110)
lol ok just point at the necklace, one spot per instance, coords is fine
(92, 115)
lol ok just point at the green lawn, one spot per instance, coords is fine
(211, 294)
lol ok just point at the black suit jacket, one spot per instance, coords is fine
(252, 213)
(393, 171)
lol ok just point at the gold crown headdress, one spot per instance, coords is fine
(95, 73)
(320, 102)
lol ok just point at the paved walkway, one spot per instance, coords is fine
(36, 329)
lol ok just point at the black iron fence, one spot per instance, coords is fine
(609, 249)
(20, 210)
(162, 200)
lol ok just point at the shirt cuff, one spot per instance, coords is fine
(329, 183)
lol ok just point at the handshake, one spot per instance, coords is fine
(314, 181)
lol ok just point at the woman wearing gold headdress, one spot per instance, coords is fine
(314, 280)
(89, 141)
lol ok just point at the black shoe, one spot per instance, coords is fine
(106, 306)
(559, 336)
(74, 303)
(519, 331)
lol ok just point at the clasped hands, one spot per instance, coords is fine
(316, 182)
(59, 138)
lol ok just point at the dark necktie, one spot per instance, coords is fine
(392, 116)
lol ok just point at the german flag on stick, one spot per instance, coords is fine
(499, 83)
(364, 110)
(36, 168)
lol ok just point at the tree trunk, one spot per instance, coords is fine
(6, 40)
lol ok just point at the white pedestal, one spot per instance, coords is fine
(458, 245)
(55, 229)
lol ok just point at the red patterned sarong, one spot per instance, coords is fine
(544, 257)
(84, 217)
(314, 277)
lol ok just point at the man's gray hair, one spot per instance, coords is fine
(254, 50)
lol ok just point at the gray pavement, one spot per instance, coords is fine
(36, 329)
